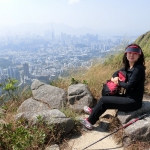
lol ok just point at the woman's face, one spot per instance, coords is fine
(132, 57)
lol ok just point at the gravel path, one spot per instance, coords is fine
(88, 137)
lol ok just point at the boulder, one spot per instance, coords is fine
(79, 96)
(49, 117)
(140, 129)
(31, 105)
(124, 117)
(53, 96)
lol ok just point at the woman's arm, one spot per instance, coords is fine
(115, 80)
(137, 74)
(115, 77)
(115, 74)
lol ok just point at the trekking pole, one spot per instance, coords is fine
(123, 127)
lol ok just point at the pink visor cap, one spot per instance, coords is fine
(133, 49)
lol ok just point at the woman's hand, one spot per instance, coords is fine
(115, 80)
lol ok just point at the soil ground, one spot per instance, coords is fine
(89, 137)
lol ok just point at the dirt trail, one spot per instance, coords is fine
(91, 136)
(79, 143)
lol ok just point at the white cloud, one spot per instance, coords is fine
(73, 1)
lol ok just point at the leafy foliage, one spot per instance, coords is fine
(12, 91)
(73, 81)
(21, 136)
(10, 87)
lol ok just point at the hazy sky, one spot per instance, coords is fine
(123, 15)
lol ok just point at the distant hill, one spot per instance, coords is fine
(5, 63)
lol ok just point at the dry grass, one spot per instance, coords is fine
(115, 125)
(11, 109)
(138, 145)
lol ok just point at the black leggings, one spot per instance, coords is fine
(112, 102)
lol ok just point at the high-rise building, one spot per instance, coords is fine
(10, 72)
(26, 69)
(13, 72)
(16, 73)
(1, 71)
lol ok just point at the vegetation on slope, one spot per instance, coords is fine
(144, 42)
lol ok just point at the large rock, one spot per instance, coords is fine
(31, 105)
(55, 97)
(44, 106)
(138, 129)
(79, 96)
(50, 117)
(124, 117)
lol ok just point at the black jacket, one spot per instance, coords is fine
(134, 83)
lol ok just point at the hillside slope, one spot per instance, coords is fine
(144, 42)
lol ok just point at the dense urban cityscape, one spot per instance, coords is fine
(47, 57)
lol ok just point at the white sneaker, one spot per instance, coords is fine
(87, 110)
(86, 123)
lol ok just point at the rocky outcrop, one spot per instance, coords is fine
(32, 105)
(139, 130)
(79, 96)
(124, 117)
(49, 117)
(53, 96)
(48, 101)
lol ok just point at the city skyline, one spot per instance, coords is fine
(105, 17)
(48, 58)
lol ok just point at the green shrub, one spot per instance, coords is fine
(21, 136)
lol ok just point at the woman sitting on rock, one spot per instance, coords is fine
(134, 66)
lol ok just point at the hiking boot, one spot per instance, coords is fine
(87, 110)
(86, 123)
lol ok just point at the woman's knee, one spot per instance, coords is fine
(103, 99)
(101, 102)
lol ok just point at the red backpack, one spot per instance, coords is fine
(110, 88)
